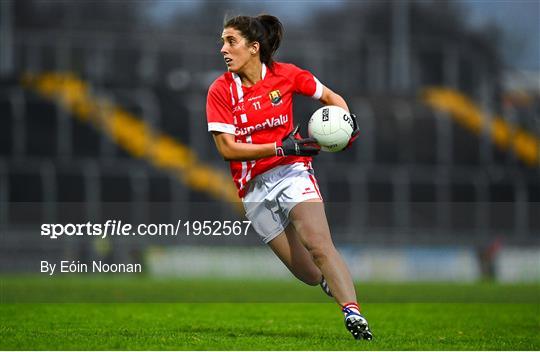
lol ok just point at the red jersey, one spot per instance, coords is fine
(259, 114)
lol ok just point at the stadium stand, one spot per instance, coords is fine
(100, 124)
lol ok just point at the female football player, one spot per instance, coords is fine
(249, 113)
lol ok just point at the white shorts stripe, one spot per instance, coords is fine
(315, 185)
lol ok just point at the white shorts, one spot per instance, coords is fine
(272, 195)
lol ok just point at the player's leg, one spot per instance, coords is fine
(309, 220)
(295, 256)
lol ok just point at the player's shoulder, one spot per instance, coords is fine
(221, 83)
(287, 70)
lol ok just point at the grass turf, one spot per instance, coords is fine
(403, 317)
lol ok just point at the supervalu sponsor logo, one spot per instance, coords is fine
(268, 123)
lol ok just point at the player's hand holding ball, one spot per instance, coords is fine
(333, 128)
(293, 144)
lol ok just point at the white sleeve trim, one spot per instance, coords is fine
(221, 127)
(318, 89)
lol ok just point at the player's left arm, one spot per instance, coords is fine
(305, 83)
(329, 97)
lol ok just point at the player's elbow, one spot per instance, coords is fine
(227, 152)
(227, 157)
(225, 146)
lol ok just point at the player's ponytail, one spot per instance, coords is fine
(274, 33)
(267, 30)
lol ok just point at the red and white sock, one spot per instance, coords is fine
(350, 307)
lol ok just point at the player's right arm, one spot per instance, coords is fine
(231, 150)
(290, 145)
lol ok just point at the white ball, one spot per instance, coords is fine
(331, 126)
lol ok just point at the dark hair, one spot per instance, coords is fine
(265, 29)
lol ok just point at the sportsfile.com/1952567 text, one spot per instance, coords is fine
(119, 228)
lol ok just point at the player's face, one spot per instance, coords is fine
(235, 50)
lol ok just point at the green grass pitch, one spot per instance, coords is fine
(122, 313)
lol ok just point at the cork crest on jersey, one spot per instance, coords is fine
(275, 97)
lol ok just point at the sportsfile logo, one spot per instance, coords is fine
(268, 123)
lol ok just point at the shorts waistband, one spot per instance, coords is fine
(279, 171)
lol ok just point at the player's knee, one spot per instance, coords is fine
(319, 245)
(319, 255)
